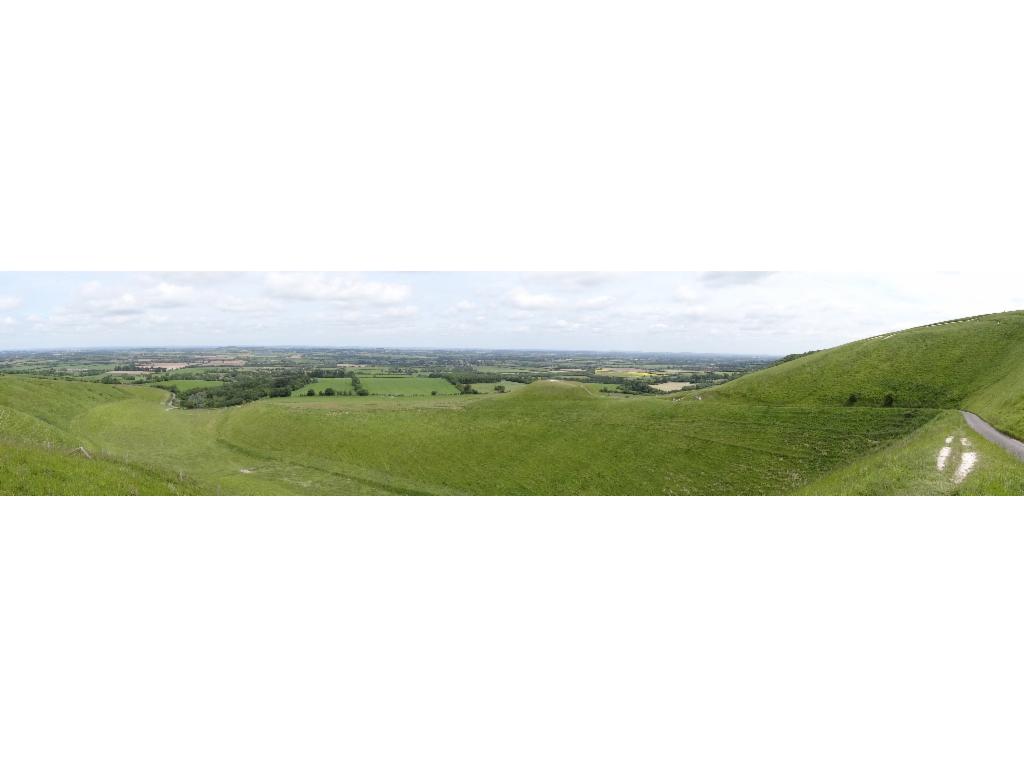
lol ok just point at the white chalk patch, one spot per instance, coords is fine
(964, 442)
(967, 462)
(943, 458)
(245, 471)
(949, 440)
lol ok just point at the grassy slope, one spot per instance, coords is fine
(143, 430)
(53, 405)
(976, 363)
(38, 420)
(33, 471)
(558, 438)
(907, 467)
(555, 438)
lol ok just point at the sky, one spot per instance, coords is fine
(770, 313)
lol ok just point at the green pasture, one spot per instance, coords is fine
(488, 388)
(406, 385)
(319, 385)
(975, 363)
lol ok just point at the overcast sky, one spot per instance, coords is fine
(741, 312)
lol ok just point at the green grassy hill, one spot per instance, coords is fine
(34, 471)
(975, 363)
(792, 428)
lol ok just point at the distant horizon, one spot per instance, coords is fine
(399, 348)
(741, 313)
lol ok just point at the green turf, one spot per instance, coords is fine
(406, 385)
(550, 438)
(34, 471)
(319, 385)
(488, 388)
(976, 363)
(908, 466)
(557, 438)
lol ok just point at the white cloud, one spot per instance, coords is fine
(9, 302)
(122, 304)
(570, 281)
(400, 312)
(594, 302)
(685, 293)
(532, 301)
(726, 279)
(306, 286)
(170, 295)
(245, 304)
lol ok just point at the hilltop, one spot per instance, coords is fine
(973, 363)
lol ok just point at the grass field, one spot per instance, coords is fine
(34, 471)
(976, 363)
(549, 437)
(908, 466)
(319, 385)
(488, 388)
(557, 438)
(187, 385)
(406, 385)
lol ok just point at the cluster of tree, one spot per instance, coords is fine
(636, 387)
(246, 388)
(458, 378)
(887, 402)
(190, 376)
(357, 386)
(328, 373)
(628, 385)
(331, 392)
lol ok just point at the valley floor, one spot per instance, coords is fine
(551, 438)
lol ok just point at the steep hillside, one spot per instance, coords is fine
(27, 470)
(45, 410)
(975, 363)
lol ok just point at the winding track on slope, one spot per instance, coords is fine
(993, 435)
